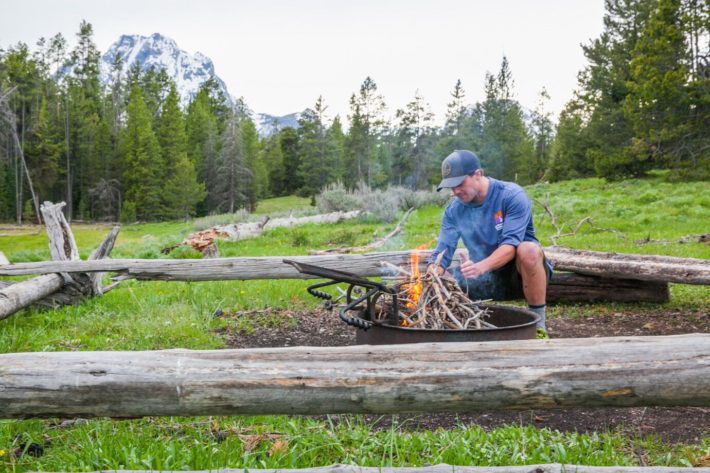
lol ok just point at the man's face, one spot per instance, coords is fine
(469, 189)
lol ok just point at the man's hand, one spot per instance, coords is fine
(436, 268)
(469, 269)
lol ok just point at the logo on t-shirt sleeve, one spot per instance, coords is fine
(499, 220)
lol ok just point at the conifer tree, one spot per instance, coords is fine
(413, 153)
(604, 87)
(203, 146)
(337, 137)
(272, 157)
(289, 143)
(568, 151)
(506, 147)
(256, 167)
(234, 177)
(42, 151)
(171, 132)
(542, 130)
(367, 125)
(659, 103)
(182, 190)
(143, 170)
(319, 151)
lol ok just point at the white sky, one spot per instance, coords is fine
(281, 55)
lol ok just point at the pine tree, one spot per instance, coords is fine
(172, 137)
(659, 104)
(82, 122)
(272, 157)
(604, 87)
(319, 151)
(367, 125)
(171, 132)
(289, 143)
(507, 147)
(143, 170)
(568, 151)
(413, 153)
(542, 130)
(234, 177)
(42, 151)
(203, 146)
(257, 168)
(337, 137)
(182, 189)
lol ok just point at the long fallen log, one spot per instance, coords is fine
(445, 468)
(678, 270)
(453, 377)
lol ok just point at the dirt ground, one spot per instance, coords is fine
(676, 425)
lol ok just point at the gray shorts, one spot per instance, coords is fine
(503, 284)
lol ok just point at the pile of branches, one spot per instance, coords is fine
(441, 304)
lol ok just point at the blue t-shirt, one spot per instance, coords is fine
(504, 218)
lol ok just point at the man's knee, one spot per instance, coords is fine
(528, 255)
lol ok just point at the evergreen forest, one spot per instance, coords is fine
(129, 151)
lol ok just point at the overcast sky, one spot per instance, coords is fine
(281, 55)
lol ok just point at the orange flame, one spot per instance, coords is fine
(415, 289)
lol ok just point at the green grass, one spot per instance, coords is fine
(162, 315)
(295, 442)
(282, 204)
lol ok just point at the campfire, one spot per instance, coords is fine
(427, 301)
(431, 301)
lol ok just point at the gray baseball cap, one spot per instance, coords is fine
(456, 167)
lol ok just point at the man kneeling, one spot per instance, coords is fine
(494, 220)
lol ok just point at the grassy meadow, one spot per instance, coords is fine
(649, 216)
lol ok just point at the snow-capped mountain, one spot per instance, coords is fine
(268, 125)
(189, 71)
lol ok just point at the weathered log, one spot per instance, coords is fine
(204, 241)
(22, 294)
(62, 288)
(559, 373)
(572, 287)
(680, 270)
(103, 250)
(631, 266)
(445, 468)
(54, 299)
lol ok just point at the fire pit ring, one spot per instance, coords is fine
(512, 323)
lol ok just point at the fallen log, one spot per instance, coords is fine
(572, 287)
(445, 468)
(204, 241)
(61, 288)
(443, 377)
(678, 270)
(17, 296)
(631, 266)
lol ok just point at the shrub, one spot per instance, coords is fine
(334, 198)
(379, 205)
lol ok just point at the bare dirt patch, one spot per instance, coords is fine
(676, 425)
